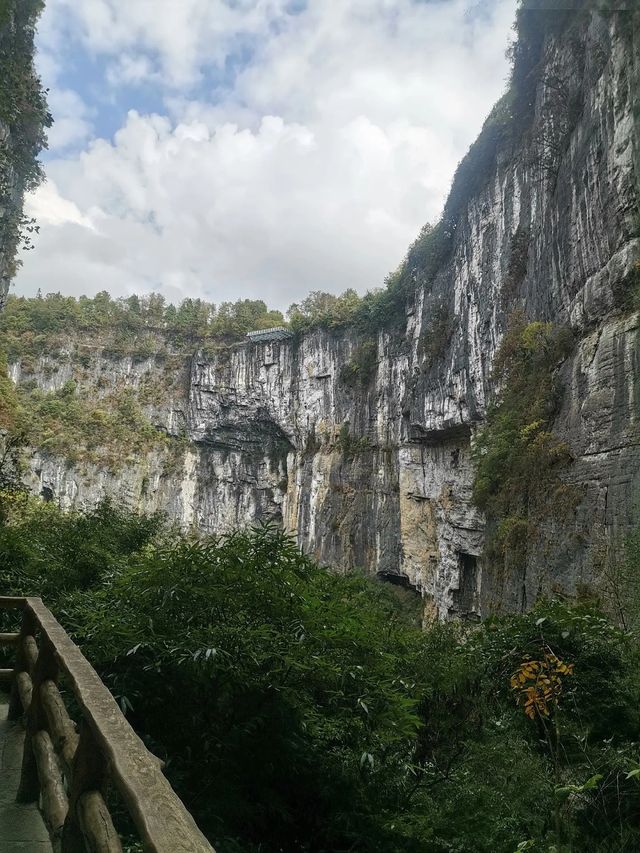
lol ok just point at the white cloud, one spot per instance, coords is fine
(179, 37)
(72, 123)
(50, 208)
(315, 169)
(130, 68)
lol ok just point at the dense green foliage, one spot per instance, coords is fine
(87, 419)
(324, 311)
(619, 582)
(22, 103)
(518, 458)
(32, 325)
(300, 710)
(24, 116)
(78, 426)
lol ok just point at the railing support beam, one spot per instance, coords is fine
(45, 667)
(55, 804)
(88, 774)
(16, 709)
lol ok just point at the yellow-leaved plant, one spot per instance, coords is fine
(538, 684)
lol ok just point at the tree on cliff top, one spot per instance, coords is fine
(23, 119)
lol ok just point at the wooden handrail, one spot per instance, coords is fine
(69, 771)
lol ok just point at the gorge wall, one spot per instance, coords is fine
(378, 474)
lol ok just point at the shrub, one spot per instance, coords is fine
(70, 423)
(516, 265)
(434, 340)
(349, 445)
(299, 710)
(361, 367)
(324, 311)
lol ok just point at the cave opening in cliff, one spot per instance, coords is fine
(398, 580)
(465, 598)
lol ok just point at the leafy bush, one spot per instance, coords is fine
(349, 445)
(292, 690)
(72, 424)
(618, 584)
(298, 710)
(49, 553)
(324, 311)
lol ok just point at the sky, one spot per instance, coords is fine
(260, 149)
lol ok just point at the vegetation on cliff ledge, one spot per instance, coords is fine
(68, 403)
(518, 459)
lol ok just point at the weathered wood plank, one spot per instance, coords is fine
(54, 799)
(164, 824)
(97, 827)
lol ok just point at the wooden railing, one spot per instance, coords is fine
(69, 770)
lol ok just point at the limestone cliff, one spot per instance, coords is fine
(378, 474)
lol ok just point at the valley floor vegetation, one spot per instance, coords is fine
(300, 710)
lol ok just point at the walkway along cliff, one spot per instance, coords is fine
(362, 446)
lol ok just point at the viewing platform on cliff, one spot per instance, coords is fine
(276, 333)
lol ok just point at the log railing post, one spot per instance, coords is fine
(53, 797)
(44, 667)
(27, 629)
(107, 750)
(89, 774)
(59, 724)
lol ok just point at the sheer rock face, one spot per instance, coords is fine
(380, 477)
